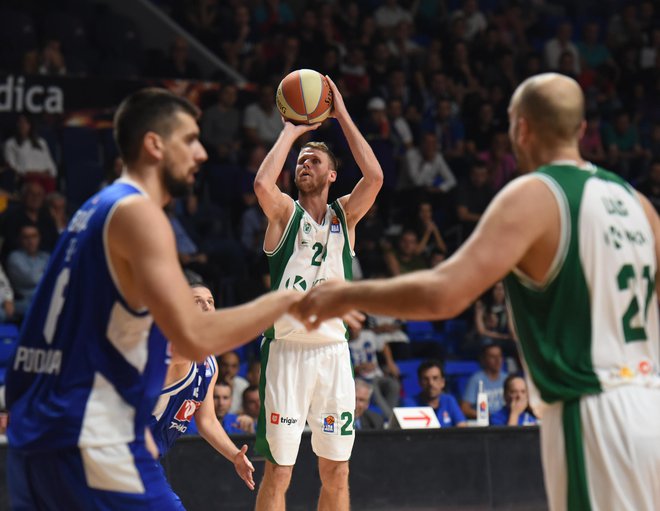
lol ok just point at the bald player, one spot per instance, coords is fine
(578, 249)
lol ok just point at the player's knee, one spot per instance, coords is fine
(278, 476)
(334, 474)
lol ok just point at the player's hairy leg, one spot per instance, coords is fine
(273, 487)
(334, 485)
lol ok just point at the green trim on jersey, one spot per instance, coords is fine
(347, 253)
(261, 444)
(278, 258)
(578, 489)
(553, 322)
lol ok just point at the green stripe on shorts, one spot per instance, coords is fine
(261, 445)
(578, 489)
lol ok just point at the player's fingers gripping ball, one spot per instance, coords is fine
(304, 97)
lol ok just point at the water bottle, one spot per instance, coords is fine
(482, 406)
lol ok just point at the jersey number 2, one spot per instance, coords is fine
(627, 279)
(319, 254)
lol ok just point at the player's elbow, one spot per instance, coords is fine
(377, 178)
(259, 186)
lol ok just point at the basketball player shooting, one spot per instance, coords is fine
(307, 376)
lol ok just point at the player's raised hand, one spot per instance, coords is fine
(298, 129)
(323, 302)
(338, 105)
(244, 467)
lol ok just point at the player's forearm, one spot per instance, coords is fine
(418, 295)
(271, 168)
(226, 329)
(217, 437)
(361, 150)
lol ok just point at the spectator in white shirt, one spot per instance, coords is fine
(390, 14)
(427, 168)
(29, 156)
(475, 21)
(558, 45)
(262, 120)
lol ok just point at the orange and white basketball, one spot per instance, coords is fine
(304, 97)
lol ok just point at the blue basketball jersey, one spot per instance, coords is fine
(178, 403)
(86, 372)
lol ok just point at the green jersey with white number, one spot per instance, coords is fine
(593, 324)
(309, 253)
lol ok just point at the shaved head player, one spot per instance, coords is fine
(578, 249)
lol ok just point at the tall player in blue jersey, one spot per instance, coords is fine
(188, 394)
(86, 375)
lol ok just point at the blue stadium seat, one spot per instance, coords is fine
(457, 374)
(455, 331)
(423, 331)
(409, 382)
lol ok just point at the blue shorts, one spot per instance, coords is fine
(67, 480)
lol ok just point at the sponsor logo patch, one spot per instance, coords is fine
(274, 418)
(187, 410)
(329, 422)
(335, 226)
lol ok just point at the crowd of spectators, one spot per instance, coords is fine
(428, 83)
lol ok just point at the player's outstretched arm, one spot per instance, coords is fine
(515, 221)
(212, 431)
(358, 202)
(275, 204)
(143, 251)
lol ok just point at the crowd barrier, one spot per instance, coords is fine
(414, 470)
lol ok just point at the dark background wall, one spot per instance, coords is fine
(448, 469)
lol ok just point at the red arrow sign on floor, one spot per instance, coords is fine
(421, 417)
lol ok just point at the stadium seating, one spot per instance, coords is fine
(409, 382)
(457, 374)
